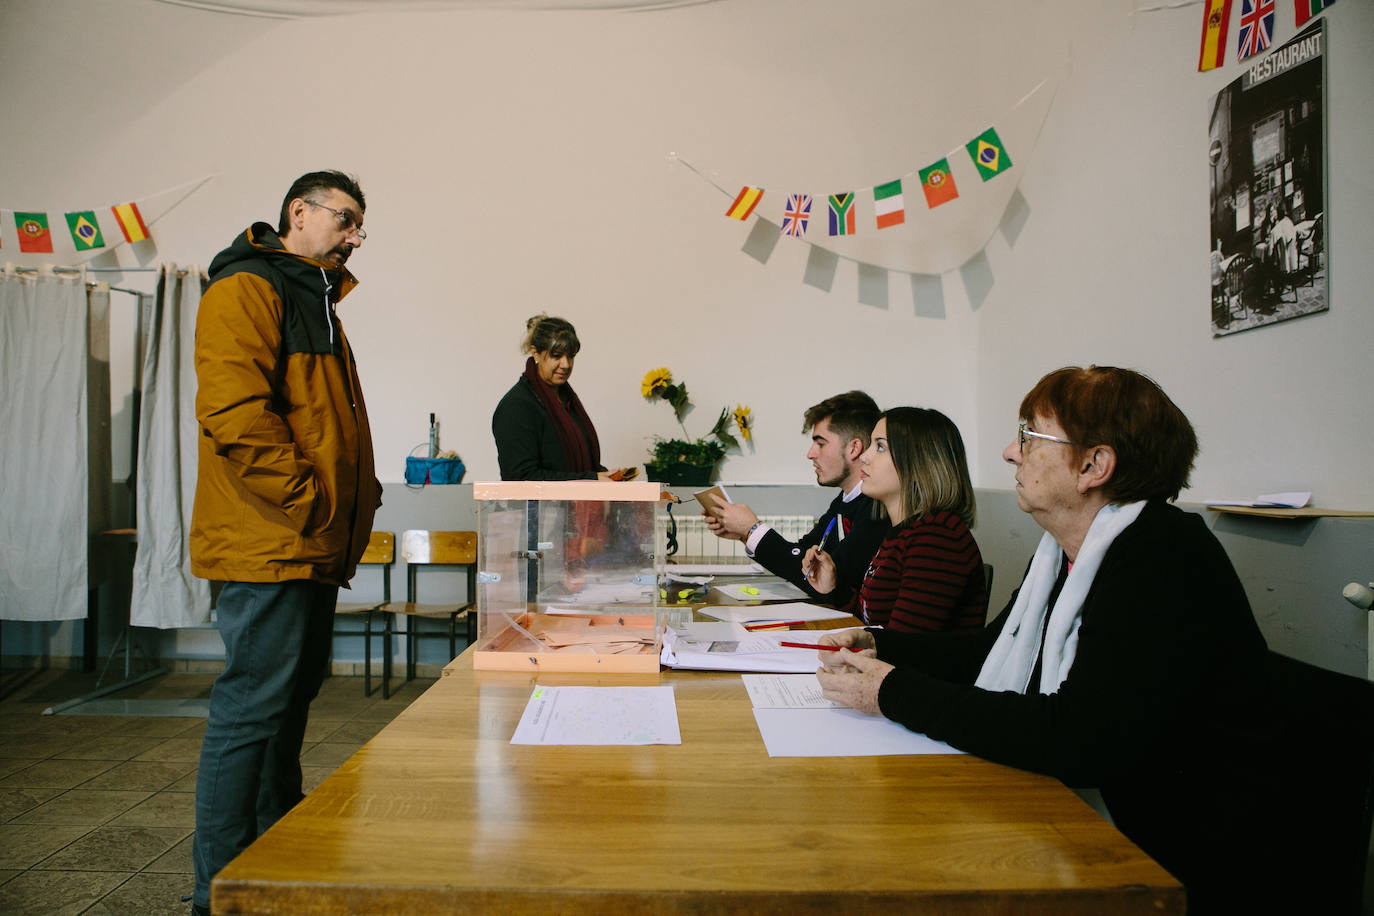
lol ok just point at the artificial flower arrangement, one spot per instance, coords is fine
(704, 452)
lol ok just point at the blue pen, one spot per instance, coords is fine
(825, 534)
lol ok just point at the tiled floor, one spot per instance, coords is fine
(96, 812)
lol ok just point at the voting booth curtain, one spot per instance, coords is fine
(55, 450)
(165, 594)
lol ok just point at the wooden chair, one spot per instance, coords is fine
(1238, 287)
(420, 549)
(381, 552)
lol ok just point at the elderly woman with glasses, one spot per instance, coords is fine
(1127, 660)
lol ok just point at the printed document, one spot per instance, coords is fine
(599, 716)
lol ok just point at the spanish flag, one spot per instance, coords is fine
(131, 222)
(1215, 17)
(745, 202)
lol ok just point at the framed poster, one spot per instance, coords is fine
(1267, 154)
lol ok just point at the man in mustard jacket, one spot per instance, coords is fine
(284, 500)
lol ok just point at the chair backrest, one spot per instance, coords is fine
(1327, 757)
(1235, 274)
(419, 546)
(381, 548)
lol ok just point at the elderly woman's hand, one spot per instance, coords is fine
(853, 679)
(855, 638)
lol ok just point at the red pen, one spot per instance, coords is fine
(812, 645)
(773, 625)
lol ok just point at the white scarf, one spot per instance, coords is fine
(1012, 659)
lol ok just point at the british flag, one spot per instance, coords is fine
(797, 215)
(1256, 27)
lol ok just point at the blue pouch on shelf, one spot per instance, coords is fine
(421, 471)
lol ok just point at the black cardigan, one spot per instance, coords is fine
(527, 446)
(1164, 707)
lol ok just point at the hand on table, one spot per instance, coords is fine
(853, 679)
(730, 520)
(819, 569)
(856, 639)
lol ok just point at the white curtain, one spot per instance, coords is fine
(165, 594)
(47, 326)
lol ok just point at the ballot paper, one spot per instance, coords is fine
(599, 716)
(786, 691)
(756, 613)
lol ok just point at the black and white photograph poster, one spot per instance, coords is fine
(1267, 157)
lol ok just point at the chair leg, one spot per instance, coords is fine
(386, 658)
(411, 654)
(367, 653)
(452, 636)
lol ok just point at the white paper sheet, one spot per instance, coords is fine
(599, 716)
(1295, 500)
(778, 590)
(799, 611)
(787, 691)
(730, 647)
(839, 733)
(715, 569)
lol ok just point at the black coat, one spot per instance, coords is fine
(527, 446)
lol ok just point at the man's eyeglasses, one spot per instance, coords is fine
(1022, 434)
(346, 222)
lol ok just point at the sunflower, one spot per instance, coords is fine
(655, 381)
(744, 419)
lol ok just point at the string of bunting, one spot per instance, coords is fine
(1256, 32)
(987, 152)
(989, 157)
(41, 232)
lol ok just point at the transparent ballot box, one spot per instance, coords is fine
(567, 576)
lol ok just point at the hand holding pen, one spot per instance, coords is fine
(818, 567)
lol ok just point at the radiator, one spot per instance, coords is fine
(696, 543)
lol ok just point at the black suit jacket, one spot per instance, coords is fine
(866, 527)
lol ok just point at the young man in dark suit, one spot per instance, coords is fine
(853, 526)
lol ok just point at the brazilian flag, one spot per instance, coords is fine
(988, 154)
(85, 230)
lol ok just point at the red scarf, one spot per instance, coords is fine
(581, 449)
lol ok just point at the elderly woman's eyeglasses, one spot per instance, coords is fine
(346, 222)
(1022, 434)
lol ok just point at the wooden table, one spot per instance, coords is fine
(439, 813)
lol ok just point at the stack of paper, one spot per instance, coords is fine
(730, 647)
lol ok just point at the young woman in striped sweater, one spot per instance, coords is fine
(928, 573)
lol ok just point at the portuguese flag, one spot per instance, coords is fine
(33, 232)
(938, 184)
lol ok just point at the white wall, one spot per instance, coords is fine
(518, 161)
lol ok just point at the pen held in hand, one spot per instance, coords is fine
(812, 645)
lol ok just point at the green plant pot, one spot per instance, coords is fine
(678, 474)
